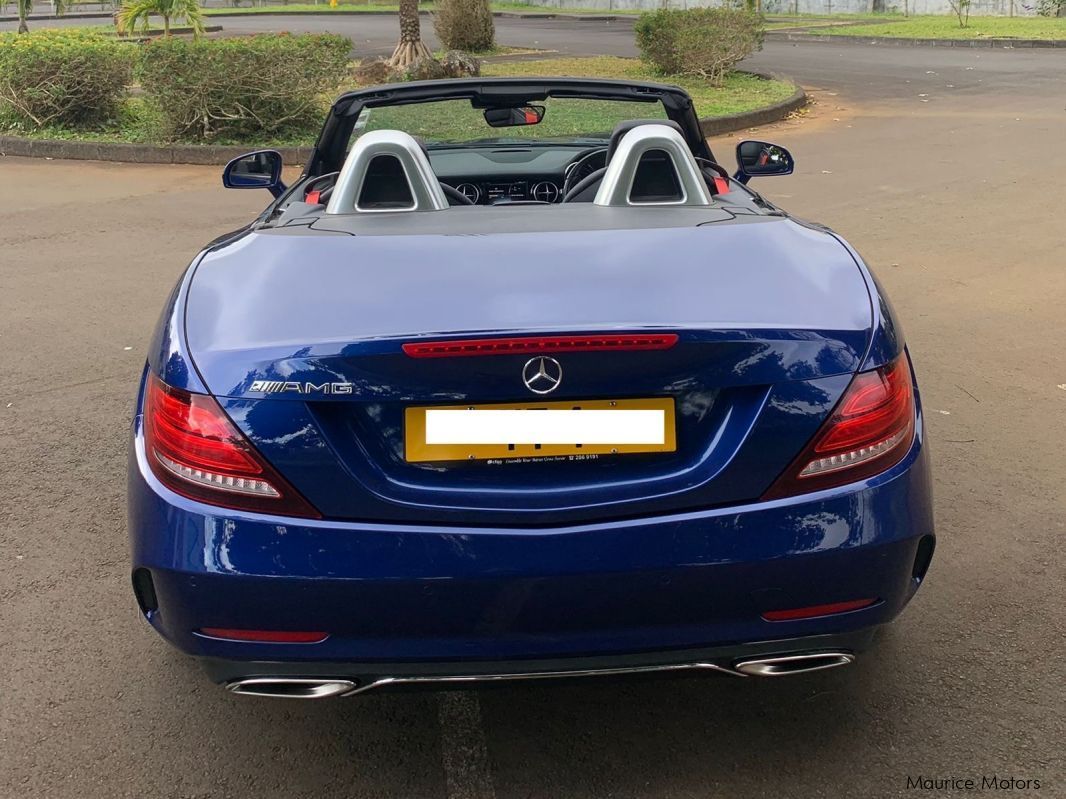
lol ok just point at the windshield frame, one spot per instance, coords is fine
(330, 149)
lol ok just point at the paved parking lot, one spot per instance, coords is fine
(955, 197)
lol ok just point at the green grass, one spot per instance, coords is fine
(740, 93)
(136, 123)
(498, 50)
(455, 120)
(947, 27)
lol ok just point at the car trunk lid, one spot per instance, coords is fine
(302, 335)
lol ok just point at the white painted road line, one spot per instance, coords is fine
(465, 757)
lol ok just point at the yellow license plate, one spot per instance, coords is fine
(464, 439)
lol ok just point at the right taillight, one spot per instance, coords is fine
(195, 450)
(870, 430)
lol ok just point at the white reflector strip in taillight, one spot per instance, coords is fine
(223, 482)
(853, 458)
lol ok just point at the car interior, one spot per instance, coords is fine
(385, 181)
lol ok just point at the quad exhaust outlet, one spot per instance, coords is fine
(324, 687)
(787, 665)
(291, 687)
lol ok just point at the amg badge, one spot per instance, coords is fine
(281, 386)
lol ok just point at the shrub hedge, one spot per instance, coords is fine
(63, 77)
(698, 42)
(242, 87)
(465, 25)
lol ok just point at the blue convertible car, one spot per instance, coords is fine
(516, 381)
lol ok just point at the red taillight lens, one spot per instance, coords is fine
(195, 450)
(870, 430)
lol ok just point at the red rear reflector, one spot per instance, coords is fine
(870, 430)
(266, 636)
(453, 348)
(195, 450)
(814, 611)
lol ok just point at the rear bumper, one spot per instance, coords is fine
(438, 601)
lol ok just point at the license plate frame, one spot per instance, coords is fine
(417, 450)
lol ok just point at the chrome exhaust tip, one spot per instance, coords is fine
(291, 687)
(786, 665)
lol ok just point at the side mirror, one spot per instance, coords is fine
(758, 158)
(258, 170)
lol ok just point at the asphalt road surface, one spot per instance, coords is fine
(944, 167)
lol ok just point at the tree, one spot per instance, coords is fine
(962, 11)
(25, 8)
(134, 11)
(410, 47)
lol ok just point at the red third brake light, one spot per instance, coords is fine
(456, 348)
(870, 430)
(195, 450)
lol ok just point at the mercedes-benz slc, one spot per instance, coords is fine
(515, 380)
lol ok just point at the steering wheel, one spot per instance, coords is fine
(455, 197)
(583, 166)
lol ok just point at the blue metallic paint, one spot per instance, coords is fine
(428, 592)
(168, 353)
(417, 564)
(733, 446)
(259, 300)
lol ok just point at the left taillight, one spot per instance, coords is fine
(870, 430)
(195, 450)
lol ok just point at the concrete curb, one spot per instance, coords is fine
(207, 154)
(719, 126)
(1008, 44)
(217, 155)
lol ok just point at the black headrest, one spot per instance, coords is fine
(622, 128)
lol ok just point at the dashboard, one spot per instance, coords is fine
(508, 173)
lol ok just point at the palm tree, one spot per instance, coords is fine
(25, 8)
(410, 46)
(134, 11)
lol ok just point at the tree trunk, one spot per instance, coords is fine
(24, 8)
(166, 25)
(410, 45)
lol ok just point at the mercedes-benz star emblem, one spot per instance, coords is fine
(542, 375)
